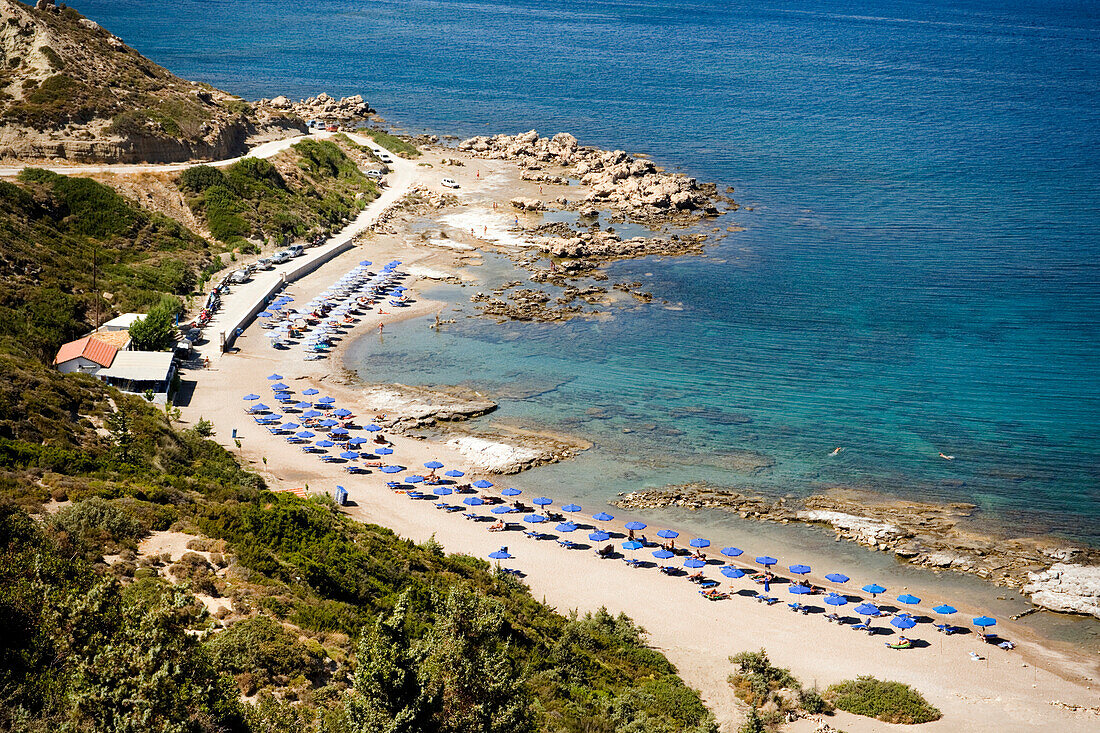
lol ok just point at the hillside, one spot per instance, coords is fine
(70, 89)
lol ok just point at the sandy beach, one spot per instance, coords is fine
(1028, 688)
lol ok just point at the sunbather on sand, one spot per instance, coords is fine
(498, 526)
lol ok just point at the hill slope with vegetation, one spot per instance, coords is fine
(71, 89)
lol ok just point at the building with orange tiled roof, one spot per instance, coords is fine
(87, 355)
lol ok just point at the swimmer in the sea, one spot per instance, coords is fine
(947, 458)
(837, 450)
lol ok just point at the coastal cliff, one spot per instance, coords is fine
(71, 90)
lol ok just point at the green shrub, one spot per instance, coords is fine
(394, 144)
(261, 646)
(97, 522)
(891, 702)
(201, 177)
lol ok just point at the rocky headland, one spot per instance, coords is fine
(1056, 575)
(71, 90)
(321, 107)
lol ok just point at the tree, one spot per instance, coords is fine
(753, 723)
(468, 667)
(388, 697)
(120, 425)
(155, 332)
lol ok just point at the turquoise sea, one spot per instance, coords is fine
(920, 270)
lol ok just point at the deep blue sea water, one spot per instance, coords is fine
(920, 270)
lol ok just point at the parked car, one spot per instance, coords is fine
(376, 175)
(280, 257)
(296, 251)
(384, 157)
(449, 183)
(265, 264)
(240, 276)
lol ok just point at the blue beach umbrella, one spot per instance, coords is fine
(945, 609)
(694, 562)
(383, 451)
(259, 407)
(662, 554)
(799, 569)
(324, 444)
(632, 545)
(274, 377)
(602, 517)
(357, 440)
(542, 501)
(433, 465)
(874, 589)
(502, 509)
(699, 542)
(289, 426)
(800, 590)
(534, 518)
(731, 572)
(903, 622)
(365, 263)
(500, 555)
(392, 469)
(453, 473)
(310, 392)
(566, 527)
(837, 577)
(310, 413)
(985, 621)
(766, 561)
(835, 599)
(908, 599)
(325, 400)
(304, 406)
(483, 484)
(280, 387)
(304, 435)
(473, 501)
(442, 491)
(510, 492)
(636, 526)
(250, 397)
(867, 609)
(599, 536)
(414, 479)
(342, 412)
(732, 551)
(349, 455)
(668, 534)
(372, 428)
(328, 422)
(571, 508)
(265, 314)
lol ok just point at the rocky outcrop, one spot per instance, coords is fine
(526, 204)
(921, 533)
(602, 244)
(614, 179)
(1068, 588)
(513, 453)
(322, 107)
(73, 91)
(403, 407)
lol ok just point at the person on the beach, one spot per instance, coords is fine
(381, 327)
(630, 535)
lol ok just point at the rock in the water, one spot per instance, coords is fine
(406, 406)
(1067, 588)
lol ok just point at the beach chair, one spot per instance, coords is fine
(946, 629)
(453, 508)
(668, 570)
(707, 584)
(863, 627)
(470, 515)
(632, 562)
(796, 607)
(567, 544)
(533, 533)
(441, 505)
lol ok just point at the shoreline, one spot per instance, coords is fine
(699, 653)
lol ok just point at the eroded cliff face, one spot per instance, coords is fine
(71, 90)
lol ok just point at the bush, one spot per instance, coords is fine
(262, 647)
(97, 521)
(201, 177)
(890, 702)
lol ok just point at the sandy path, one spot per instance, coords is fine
(999, 693)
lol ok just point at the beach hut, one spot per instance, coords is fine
(341, 496)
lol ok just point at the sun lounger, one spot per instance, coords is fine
(797, 607)
(713, 595)
(441, 505)
(471, 515)
(946, 629)
(533, 534)
(632, 562)
(863, 627)
(1006, 644)
(453, 508)
(903, 645)
(834, 618)
(567, 544)
(766, 599)
(668, 570)
(709, 583)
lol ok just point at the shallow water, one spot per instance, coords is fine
(919, 273)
